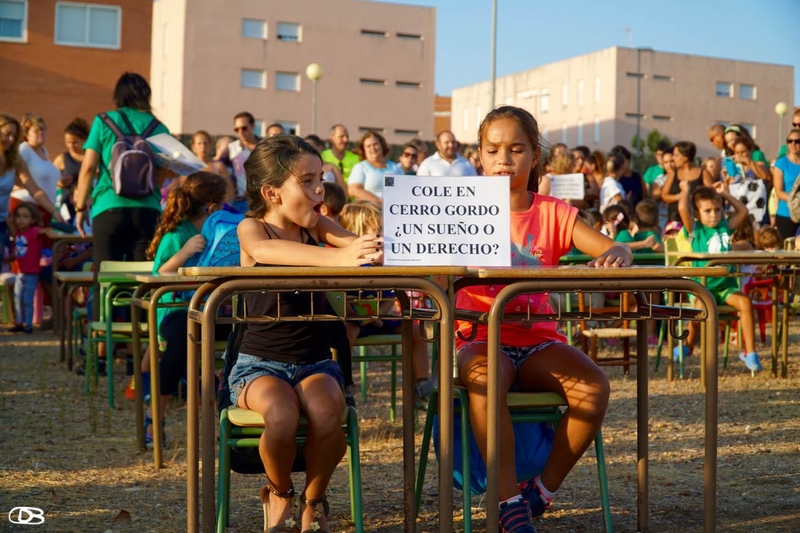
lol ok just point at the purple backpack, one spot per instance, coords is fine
(132, 159)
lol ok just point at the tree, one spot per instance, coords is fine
(648, 146)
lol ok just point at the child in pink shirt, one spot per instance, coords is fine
(28, 237)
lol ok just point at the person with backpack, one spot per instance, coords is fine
(125, 198)
(178, 243)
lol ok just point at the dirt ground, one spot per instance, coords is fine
(72, 457)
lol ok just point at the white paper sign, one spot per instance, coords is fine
(443, 221)
(567, 186)
(172, 154)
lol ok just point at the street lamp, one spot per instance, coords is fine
(639, 101)
(780, 108)
(314, 73)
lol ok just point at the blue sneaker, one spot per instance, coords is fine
(148, 437)
(536, 501)
(676, 353)
(515, 517)
(751, 361)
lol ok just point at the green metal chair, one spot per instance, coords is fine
(242, 428)
(6, 302)
(104, 329)
(524, 407)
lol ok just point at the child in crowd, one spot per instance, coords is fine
(647, 218)
(28, 244)
(769, 239)
(285, 368)
(672, 228)
(364, 218)
(617, 225)
(709, 231)
(611, 192)
(744, 237)
(335, 200)
(535, 356)
(178, 243)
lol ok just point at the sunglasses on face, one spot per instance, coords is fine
(409, 154)
(241, 128)
(792, 141)
(796, 124)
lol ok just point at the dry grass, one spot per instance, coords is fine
(68, 454)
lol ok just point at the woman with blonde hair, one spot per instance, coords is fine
(44, 173)
(14, 171)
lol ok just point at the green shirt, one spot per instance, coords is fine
(345, 165)
(714, 240)
(101, 140)
(782, 152)
(758, 155)
(652, 173)
(170, 244)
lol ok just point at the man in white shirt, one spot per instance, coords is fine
(239, 150)
(446, 161)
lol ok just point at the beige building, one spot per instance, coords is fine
(212, 59)
(591, 99)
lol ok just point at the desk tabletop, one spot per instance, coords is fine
(585, 272)
(323, 272)
(167, 278)
(760, 257)
(644, 258)
(73, 237)
(117, 277)
(74, 277)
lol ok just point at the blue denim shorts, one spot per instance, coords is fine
(517, 355)
(249, 367)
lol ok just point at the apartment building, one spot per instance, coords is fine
(592, 99)
(211, 60)
(61, 60)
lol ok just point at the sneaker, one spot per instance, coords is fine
(515, 517)
(27, 331)
(16, 329)
(537, 503)
(676, 352)
(148, 437)
(751, 361)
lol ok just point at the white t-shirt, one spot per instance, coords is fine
(435, 165)
(43, 172)
(610, 188)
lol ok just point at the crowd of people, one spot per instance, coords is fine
(315, 205)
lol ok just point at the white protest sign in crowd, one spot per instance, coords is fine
(567, 186)
(443, 221)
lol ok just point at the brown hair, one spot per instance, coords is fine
(598, 159)
(335, 197)
(78, 127)
(769, 237)
(11, 155)
(529, 127)
(203, 133)
(271, 163)
(562, 163)
(647, 214)
(384, 144)
(360, 216)
(187, 201)
(705, 193)
(30, 121)
(36, 216)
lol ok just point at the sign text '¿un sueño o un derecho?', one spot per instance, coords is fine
(443, 221)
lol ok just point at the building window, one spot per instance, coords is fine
(287, 81)
(564, 95)
(409, 36)
(254, 79)
(410, 133)
(93, 26)
(13, 20)
(633, 115)
(634, 74)
(289, 31)
(373, 33)
(661, 77)
(751, 128)
(597, 88)
(254, 29)
(580, 132)
(258, 128)
(372, 81)
(465, 119)
(725, 89)
(663, 118)
(597, 129)
(366, 129)
(580, 92)
(409, 84)
(564, 132)
(747, 92)
(292, 128)
(544, 101)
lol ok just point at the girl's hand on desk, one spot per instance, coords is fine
(618, 255)
(364, 249)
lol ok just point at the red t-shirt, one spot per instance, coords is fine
(539, 237)
(28, 250)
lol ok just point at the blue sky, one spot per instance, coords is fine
(536, 32)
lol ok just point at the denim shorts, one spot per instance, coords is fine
(517, 355)
(249, 367)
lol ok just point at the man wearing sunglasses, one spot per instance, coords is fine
(338, 154)
(795, 125)
(408, 159)
(239, 150)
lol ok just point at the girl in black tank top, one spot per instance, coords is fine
(284, 369)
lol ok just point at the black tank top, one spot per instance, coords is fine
(71, 167)
(287, 342)
(672, 208)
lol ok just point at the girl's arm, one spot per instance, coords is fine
(683, 208)
(645, 244)
(25, 180)
(85, 178)
(708, 179)
(332, 233)
(607, 252)
(780, 187)
(666, 197)
(194, 245)
(257, 247)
